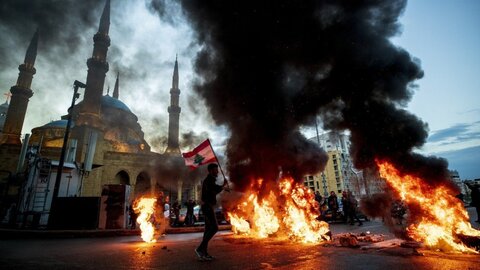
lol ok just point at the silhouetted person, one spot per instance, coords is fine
(333, 204)
(209, 192)
(163, 213)
(475, 198)
(345, 206)
(398, 211)
(352, 211)
(318, 197)
(176, 211)
(189, 217)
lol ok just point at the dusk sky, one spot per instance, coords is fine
(443, 35)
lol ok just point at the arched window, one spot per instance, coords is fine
(122, 178)
(142, 185)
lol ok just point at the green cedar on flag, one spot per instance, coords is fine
(202, 154)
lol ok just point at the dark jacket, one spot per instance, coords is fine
(475, 195)
(332, 202)
(210, 190)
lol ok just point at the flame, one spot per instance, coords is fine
(239, 225)
(443, 215)
(288, 210)
(146, 207)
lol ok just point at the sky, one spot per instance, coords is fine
(443, 35)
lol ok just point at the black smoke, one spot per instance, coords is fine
(191, 139)
(268, 67)
(58, 23)
(168, 170)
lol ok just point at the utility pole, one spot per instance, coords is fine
(76, 95)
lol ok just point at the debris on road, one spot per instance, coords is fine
(358, 239)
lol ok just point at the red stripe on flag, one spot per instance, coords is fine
(197, 149)
(201, 155)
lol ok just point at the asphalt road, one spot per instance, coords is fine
(232, 252)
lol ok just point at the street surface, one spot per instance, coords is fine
(175, 251)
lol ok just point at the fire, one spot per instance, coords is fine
(288, 210)
(146, 207)
(443, 215)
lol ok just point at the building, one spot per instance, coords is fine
(106, 148)
(339, 173)
(373, 182)
(11, 178)
(3, 114)
(454, 175)
(468, 185)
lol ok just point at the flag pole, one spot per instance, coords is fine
(218, 162)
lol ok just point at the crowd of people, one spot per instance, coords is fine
(475, 198)
(332, 209)
(345, 209)
(189, 219)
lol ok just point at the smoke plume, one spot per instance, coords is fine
(269, 67)
(169, 169)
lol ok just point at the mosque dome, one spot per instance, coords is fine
(108, 101)
(50, 134)
(57, 124)
(121, 129)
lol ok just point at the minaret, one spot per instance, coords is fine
(88, 130)
(21, 93)
(89, 114)
(174, 114)
(115, 89)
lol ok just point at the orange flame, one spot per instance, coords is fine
(146, 207)
(443, 215)
(290, 210)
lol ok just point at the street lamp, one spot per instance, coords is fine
(76, 95)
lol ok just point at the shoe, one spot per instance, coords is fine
(200, 255)
(209, 257)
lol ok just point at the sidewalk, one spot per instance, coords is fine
(42, 234)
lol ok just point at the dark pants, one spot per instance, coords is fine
(346, 215)
(334, 214)
(211, 226)
(352, 214)
(478, 213)
(189, 219)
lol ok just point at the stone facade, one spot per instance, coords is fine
(121, 154)
(106, 143)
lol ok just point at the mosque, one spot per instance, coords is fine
(106, 144)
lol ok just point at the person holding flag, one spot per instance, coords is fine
(201, 155)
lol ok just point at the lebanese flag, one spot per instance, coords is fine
(201, 155)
